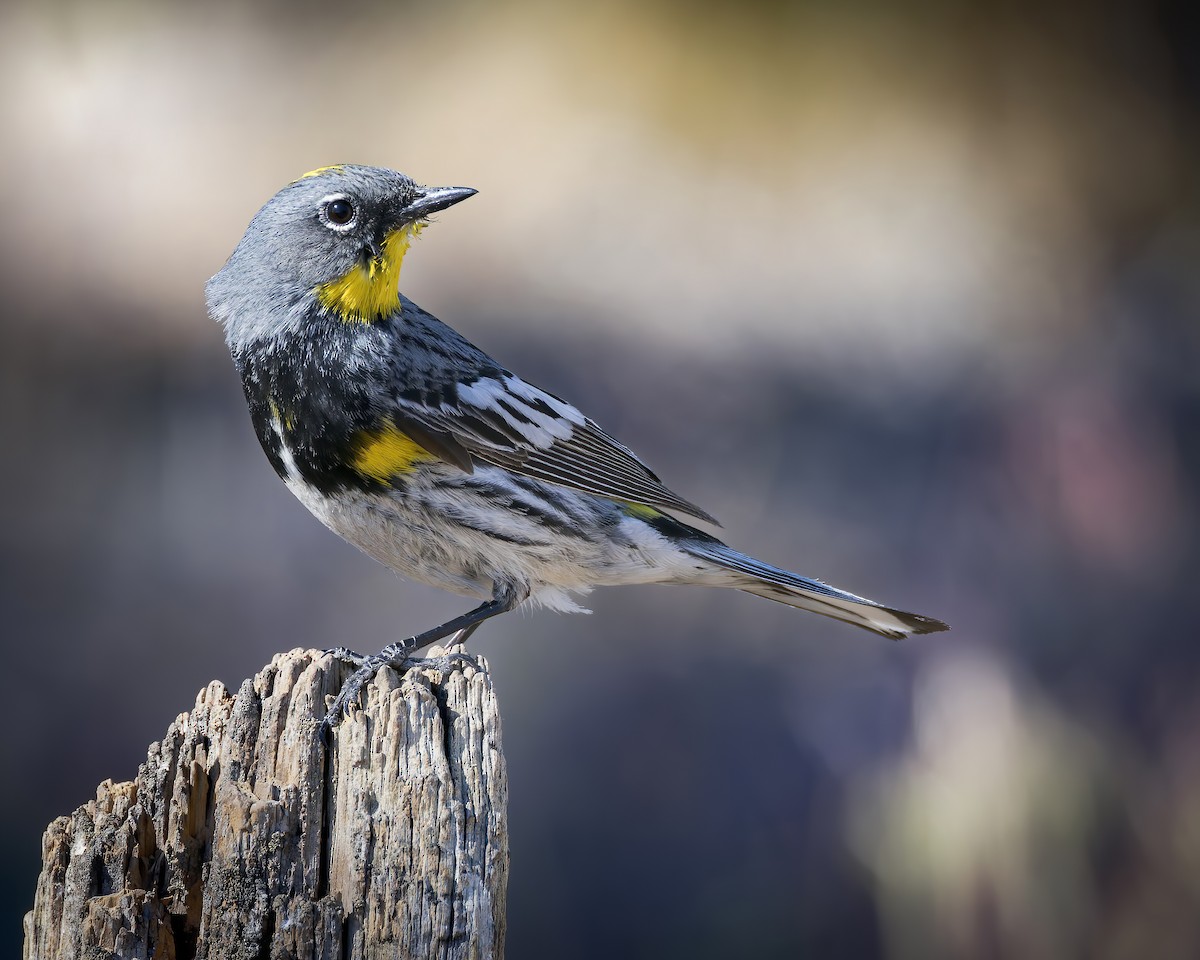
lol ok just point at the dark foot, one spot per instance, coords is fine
(347, 655)
(393, 655)
(444, 662)
(504, 598)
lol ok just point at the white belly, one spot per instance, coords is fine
(437, 533)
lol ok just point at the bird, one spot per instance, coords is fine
(423, 451)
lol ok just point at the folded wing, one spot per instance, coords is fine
(502, 420)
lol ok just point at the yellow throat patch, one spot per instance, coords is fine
(372, 290)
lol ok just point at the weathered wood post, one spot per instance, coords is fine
(243, 837)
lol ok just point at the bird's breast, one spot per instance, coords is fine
(321, 426)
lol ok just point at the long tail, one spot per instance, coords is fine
(745, 573)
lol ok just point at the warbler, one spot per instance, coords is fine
(417, 447)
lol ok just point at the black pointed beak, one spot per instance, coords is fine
(432, 199)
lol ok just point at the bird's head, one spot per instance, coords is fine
(339, 235)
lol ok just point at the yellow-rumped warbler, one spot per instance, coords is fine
(420, 449)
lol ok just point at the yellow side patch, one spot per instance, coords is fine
(336, 167)
(641, 511)
(370, 291)
(386, 453)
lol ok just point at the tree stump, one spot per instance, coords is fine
(244, 837)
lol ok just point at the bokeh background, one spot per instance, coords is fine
(905, 293)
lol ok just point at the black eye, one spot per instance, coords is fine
(339, 211)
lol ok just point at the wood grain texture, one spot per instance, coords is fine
(243, 837)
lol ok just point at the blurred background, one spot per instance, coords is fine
(907, 294)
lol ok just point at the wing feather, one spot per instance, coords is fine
(510, 423)
(461, 405)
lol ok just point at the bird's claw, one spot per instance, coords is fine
(395, 655)
(347, 655)
(443, 662)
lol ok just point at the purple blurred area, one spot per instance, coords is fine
(908, 295)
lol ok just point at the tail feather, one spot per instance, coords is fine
(774, 583)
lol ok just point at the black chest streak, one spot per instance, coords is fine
(307, 391)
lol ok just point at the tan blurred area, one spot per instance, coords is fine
(906, 293)
(878, 178)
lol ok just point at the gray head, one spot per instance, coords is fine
(335, 238)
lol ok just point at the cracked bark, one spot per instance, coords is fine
(241, 837)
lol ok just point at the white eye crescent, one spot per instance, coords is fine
(338, 212)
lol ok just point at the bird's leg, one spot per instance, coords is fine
(460, 638)
(454, 652)
(504, 598)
